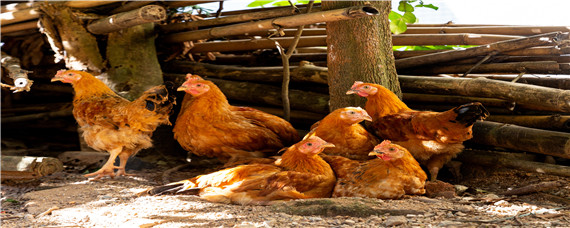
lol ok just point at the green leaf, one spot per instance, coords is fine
(405, 7)
(12, 201)
(397, 23)
(282, 3)
(431, 6)
(409, 18)
(260, 3)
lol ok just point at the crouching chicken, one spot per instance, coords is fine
(433, 138)
(112, 123)
(300, 173)
(393, 174)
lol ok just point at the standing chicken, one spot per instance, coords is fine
(433, 138)
(208, 125)
(300, 174)
(113, 124)
(341, 128)
(391, 176)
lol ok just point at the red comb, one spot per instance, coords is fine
(190, 77)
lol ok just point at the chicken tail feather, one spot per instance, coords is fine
(160, 99)
(467, 114)
(173, 188)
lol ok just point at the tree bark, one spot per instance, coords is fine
(522, 138)
(359, 50)
(134, 68)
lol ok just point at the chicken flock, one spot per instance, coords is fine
(372, 152)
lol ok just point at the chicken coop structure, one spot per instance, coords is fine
(519, 73)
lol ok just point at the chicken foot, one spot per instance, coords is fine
(124, 157)
(108, 168)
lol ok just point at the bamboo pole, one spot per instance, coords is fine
(19, 27)
(533, 51)
(521, 93)
(539, 67)
(145, 14)
(264, 94)
(510, 160)
(551, 122)
(452, 99)
(552, 81)
(88, 4)
(280, 12)
(502, 46)
(175, 4)
(506, 58)
(501, 30)
(12, 7)
(451, 24)
(19, 16)
(246, 45)
(282, 22)
(128, 6)
(450, 39)
(522, 138)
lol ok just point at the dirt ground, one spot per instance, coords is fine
(67, 199)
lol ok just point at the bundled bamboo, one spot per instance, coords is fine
(145, 14)
(282, 22)
(522, 138)
(538, 40)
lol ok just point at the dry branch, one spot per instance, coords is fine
(145, 14)
(265, 94)
(24, 167)
(502, 30)
(19, 16)
(511, 160)
(502, 46)
(15, 71)
(552, 122)
(522, 138)
(521, 93)
(305, 73)
(177, 27)
(537, 67)
(282, 22)
(542, 186)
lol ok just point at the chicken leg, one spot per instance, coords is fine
(124, 157)
(109, 168)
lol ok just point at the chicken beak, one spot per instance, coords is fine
(367, 117)
(56, 79)
(182, 88)
(351, 91)
(328, 145)
(372, 153)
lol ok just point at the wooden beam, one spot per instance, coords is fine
(282, 22)
(521, 93)
(497, 47)
(522, 138)
(145, 14)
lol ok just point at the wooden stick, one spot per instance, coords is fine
(450, 39)
(283, 22)
(19, 16)
(502, 30)
(520, 93)
(553, 81)
(12, 7)
(551, 122)
(19, 27)
(128, 6)
(246, 45)
(88, 4)
(265, 94)
(20, 76)
(538, 67)
(533, 51)
(522, 138)
(539, 187)
(510, 160)
(39, 166)
(280, 12)
(175, 4)
(502, 46)
(145, 14)
(451, 99)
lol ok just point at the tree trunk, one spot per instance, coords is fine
(134, 68)
(359, 50)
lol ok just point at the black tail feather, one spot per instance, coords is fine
(467, 114)
(172, 189)
(161, 99)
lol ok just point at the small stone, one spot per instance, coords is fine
(106, 197)
(395, 220)
(29, 218)
(349, 222)
(459, 213)
(460, 189)
(410, 216)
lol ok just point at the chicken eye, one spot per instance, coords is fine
(198, 85)
(70, 74)
(309, 144)
(352, 112)
(392, 149)
(365, 87)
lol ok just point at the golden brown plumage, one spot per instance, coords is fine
(393, 174)
(433, 138)
(113, 124)
(209, 126)
(300, 173)
(341, 128)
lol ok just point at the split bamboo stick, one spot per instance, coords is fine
(480, 87)
(538, 67)
(18, 27)
(280, 12)
(502, 46)
(145, 14)
(19, 16)
(551, 122)
(522, 138)
(500, 30)
(282, 22)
